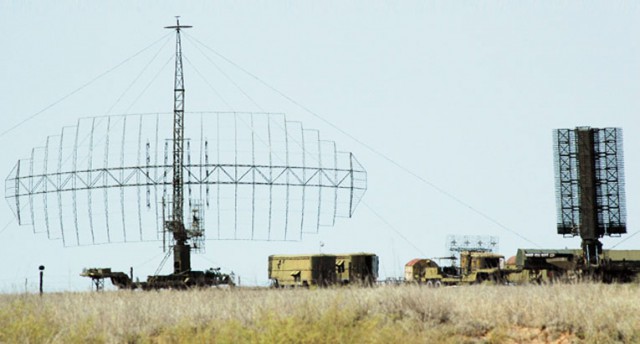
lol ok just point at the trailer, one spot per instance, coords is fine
(188, 279)
(569, 265)
(302, 270)
(306, 270)
(357, 268)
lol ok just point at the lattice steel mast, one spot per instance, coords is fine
(181, 250)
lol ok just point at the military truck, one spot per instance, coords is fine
(475, 267)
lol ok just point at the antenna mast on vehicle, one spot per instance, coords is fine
(181, 249)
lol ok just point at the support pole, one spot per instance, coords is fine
(181, 250)
(41, 268)
(589, 231)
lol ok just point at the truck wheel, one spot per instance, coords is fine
(429, 284)
(438, 284)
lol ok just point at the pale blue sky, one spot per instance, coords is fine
(464, 94)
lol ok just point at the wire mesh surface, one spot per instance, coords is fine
(608, 173)
(257, 176)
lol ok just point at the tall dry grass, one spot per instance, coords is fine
(591, 313)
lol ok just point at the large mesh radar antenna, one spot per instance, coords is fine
(590, 195)
(260, 177)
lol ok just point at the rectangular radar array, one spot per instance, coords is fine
(589, 168)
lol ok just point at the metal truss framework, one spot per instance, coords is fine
(18, 186)
(276, 175)
(608, 179)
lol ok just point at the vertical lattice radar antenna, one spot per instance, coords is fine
(590, 195)
(110, 179)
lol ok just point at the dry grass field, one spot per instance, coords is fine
(589, 313)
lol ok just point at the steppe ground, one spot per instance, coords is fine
(559, 313)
